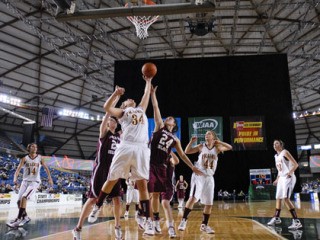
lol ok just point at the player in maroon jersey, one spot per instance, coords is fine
(163, 139)
(167, 196)
(180, 188)
(108, 139)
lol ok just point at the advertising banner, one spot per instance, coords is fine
(248, 133)
(198, 126)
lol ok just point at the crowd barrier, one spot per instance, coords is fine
(41, 199)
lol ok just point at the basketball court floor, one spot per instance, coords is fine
(230, 220)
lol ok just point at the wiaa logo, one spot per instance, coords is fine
(206, 123)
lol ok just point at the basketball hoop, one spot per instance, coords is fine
(142, 23)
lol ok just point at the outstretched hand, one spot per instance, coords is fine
(147, 79)
(119, 91)
(193, 139)
(153, 89)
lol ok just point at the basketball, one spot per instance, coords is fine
(149, 70)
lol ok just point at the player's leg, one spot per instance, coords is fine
(145, 205)
(276, 217)
(86, 209)
(155, 204)
(189, 206)
(129, 197)
(195, 193)
(296, 224)
(117, 213)
(30, 190)
(105, 191)
(207, 199)
(280, 194)
(119, 168)
(166, 198)
(205, 219)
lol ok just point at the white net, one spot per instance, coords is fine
(142, 23)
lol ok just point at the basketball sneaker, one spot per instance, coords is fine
(126, 215)
(23, 222)
(206, 229)
(157, 227)
(28, 219)
(94, 214)
(296, 224)
(118, 233)
(172, 232)
(148, 228)
(274, 220)
(76, 234)
(14, 224)
(141, 222)
(13, 220)
(183, 224)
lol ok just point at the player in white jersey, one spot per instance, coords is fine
(132, 154)
(31, 165)
(286, 165)
(202, 187)
(132, 196)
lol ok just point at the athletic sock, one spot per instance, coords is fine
(186, 213)
(156, 216)
(21, 211)
(205, 219)
(101, 198)
(277, 213)
(145, 207)
(293, 213)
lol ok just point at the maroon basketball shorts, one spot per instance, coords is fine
(99, 177)
(157, 178)
(168, 194)
(181, 193)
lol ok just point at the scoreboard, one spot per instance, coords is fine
(260, 176)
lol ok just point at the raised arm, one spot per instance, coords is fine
(47, 171)
(189, 149)
(146, 96)
(104, 126)
(222, 146)
(156, 111)
(108, 105)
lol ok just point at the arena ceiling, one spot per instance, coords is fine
(49, 59)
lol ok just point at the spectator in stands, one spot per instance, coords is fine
(31, 165)
(51, 190)
(220, 195)
(2, 187)
(3, 175)
(8, 188)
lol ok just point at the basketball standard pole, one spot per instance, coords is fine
(146, 10)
